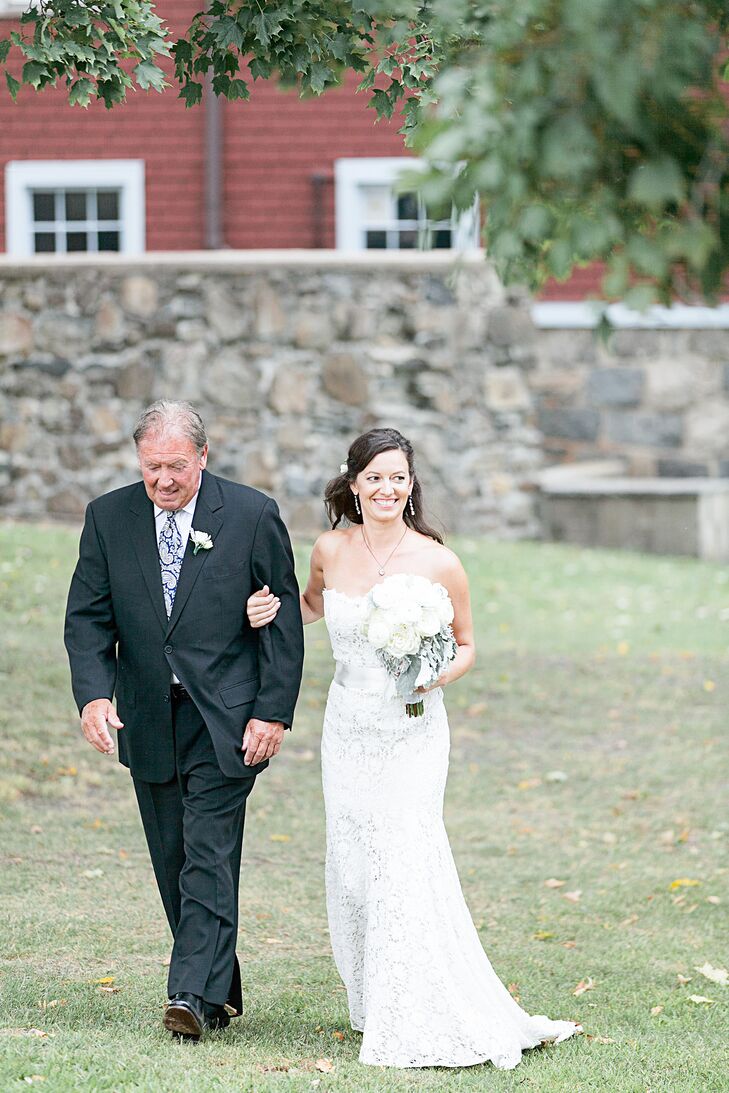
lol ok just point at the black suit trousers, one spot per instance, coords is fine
(194, 830)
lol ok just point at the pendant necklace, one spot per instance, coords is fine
(381, 565)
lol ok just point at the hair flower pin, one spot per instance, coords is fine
(343, 468)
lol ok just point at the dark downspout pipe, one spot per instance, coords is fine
(213, 168)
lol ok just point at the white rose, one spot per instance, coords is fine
(403, 641)
(378, 629)
(405, 611)
(430, 623)
(387, 593)
(445, 611)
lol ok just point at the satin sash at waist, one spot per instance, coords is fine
(365, 678)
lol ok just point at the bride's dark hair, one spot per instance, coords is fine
(338, 496)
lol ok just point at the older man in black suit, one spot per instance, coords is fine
(156, 617)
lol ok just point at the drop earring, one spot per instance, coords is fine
(356, 505)
(411, 505)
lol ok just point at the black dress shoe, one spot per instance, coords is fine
(185, 1014)
(216, 1017)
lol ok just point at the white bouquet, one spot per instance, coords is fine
(408, 622)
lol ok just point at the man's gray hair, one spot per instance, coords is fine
(172, 414)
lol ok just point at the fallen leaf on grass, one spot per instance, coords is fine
(555, 776)
(68, 772)
(542, 935)
(656, 1010)
(513, 989)
(529, 783)
(629, 920)
(713, 899)
(623, 648)
(554, 883)
(338, 1035)
(700, 1000)
(600, 1039)
(36, 830)
(280, 838)
(573, 897)
(110, 990)
(584, 985)
(569, 944)
(272, 941)
(476, 709)
(683, 979)
(106, 981)
(709, 685)
(684, 882)
(326, 1066)
(92, 874)
(31, 1079)
(716, 975)
(53, 1003)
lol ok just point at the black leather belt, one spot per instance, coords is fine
(179, 692)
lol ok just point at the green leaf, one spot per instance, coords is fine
(5, 46)
(265, 27)
(657, 183)
(80, 92)
(560, 259)
(147, 74)
(13, 85)
(227, 32)
(319, 76)
(191, 93)
(34, 73)
(238, 90)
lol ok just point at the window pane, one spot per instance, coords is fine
(75, 207)
(44, 242)
(377, 203)
(407, 207)
(76, 241)
(108, 240)
(442, 239)
(44, 206)
(408, 240)
(376, 240)
(107, 205)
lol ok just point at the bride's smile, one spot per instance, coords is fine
(383, 487)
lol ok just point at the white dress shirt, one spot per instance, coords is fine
(183, 519)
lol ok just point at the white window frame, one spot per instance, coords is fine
(12, 9)
(22, 177)
(585, 315)
(350, 175)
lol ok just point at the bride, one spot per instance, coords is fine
(420, 987)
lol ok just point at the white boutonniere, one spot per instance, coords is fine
(200, 540)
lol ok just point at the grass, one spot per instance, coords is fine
(588, 746)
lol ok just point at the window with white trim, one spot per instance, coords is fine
(74, 206)
(374, 213)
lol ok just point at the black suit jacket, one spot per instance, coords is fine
(120, 641)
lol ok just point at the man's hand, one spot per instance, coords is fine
(261, 740)
(94, 717)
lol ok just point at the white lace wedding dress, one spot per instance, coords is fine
(420, 987)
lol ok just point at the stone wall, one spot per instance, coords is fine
(289, 355)
(658, 399)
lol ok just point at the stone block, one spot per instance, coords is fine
(681, 468)
(707, 429)
(572, 423)
(344, 379)
(506, 390)
(561, 383)
(615, 386)
(226, 316)
(109, 327)
(269, 314)
(14, 436)
(713, 344)
(135, 381)
(290, 391)
(139, 296)
(676, 384)
(313, 330)
(561, 349)
(724, 468)
(226, 380)
(644, 429)
(62, 335)
(725, 376)
(16, 334)
(511, 326)
(258, 468)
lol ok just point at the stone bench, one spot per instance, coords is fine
(655, 515)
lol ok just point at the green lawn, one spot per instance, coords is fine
(589, 746)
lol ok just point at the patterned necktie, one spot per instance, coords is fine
(171, 553)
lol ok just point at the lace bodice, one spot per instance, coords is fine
(343, 615)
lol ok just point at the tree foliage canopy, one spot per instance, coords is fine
(588, 129)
